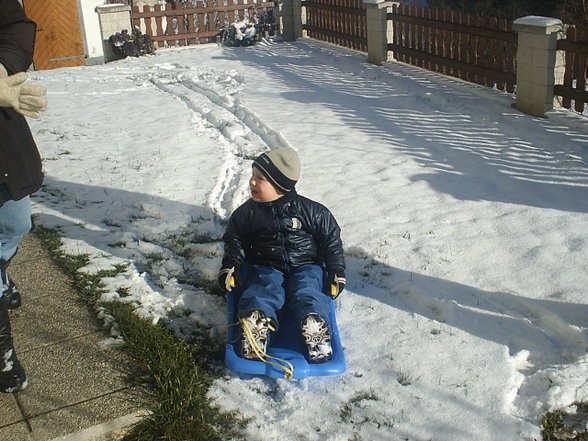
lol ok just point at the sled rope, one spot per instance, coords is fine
(284, 365)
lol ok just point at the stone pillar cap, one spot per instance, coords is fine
(378, 2)
(113, 7)
(537, 24)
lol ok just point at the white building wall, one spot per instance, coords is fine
(91, 30)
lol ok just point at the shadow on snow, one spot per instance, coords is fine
(115, 221)
(469, 141)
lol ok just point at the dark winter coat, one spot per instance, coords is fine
(284, 234)
(20, 162)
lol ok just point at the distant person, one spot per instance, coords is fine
(20, 167)
(289, 244)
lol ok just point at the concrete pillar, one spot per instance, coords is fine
(378, 31)
(113, 19)
(536, 63)
(290, 19)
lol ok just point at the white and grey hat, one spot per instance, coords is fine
(281, 166)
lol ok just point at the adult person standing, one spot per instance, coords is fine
(20, 166)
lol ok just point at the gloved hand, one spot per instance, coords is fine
(26, 100)
(335, 283)
(32, 101)
(228, 278)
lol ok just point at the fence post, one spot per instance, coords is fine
(113, 19)
(536, 63)
(290, 19)
(377, 29)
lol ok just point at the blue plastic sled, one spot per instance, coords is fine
(286, 345)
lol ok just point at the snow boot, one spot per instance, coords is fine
(255, 329)
(12, 374)
(10, 292)
(9, 289)
(317, 338)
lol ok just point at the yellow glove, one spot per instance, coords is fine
(335, 283)
(228, 278)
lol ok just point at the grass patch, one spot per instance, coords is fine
(558, 425)
(179, 408)
(347, 411)
(89, 285)
(175, 372)
(404, 378)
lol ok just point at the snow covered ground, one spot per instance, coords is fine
(465, 224)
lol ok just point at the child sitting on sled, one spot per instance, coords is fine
(294, 255)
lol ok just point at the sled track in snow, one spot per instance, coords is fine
(240, 133)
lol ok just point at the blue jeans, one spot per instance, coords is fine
(15, 222)
(299, 292)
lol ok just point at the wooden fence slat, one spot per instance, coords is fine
(158, 23)
(450, 40)
(330, 22)
(191, 28)
(444, 43)
(568, 75)
(231, 15)
(461, 46)
(136, 21)
(417, 35)
(427, 47)
(500, 55)
(477, 52)
(201, 24)
(169, 22)
(181, 23)
(455, 46)
(464, 43)
(412, 36)
(437, 48)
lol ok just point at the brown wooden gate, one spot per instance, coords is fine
(59, 40)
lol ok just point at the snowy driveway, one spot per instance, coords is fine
(464, 222)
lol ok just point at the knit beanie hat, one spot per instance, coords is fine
(281, 166)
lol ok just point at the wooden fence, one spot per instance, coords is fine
(341, 22)
(480, 50)
(180, 24)
(476, 49)
(573, 88)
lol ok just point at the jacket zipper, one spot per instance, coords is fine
(277, 220)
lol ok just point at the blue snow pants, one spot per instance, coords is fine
(299, 292)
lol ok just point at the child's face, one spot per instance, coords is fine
(262, 190)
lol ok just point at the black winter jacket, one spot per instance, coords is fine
(284, 234)
(20, 163)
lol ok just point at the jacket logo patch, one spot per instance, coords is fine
(296, 224)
